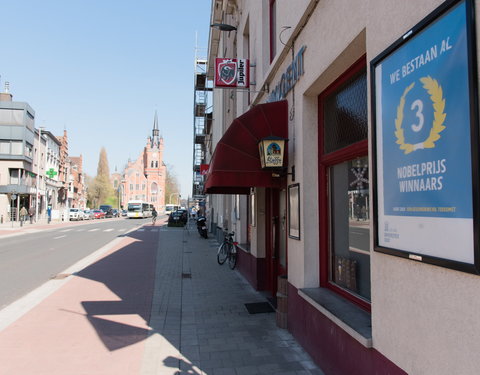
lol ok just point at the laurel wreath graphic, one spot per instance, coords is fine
(436, 95)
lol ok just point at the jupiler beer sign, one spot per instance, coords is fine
(232, 72)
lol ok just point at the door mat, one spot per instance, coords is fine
(259, 307)
(272, 301)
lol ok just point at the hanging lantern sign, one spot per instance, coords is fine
(271, 152)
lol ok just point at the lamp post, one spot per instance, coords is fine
(178, 201)
(38, 171)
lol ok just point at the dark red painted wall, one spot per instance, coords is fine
(335, 351)
(253, 269)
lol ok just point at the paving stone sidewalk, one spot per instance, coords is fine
(199, 321)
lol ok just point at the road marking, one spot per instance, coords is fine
(93, 230)
(80, 230)
(66, 230)
(141, 230)
(108, 230)
(20, 307)
(56, 238)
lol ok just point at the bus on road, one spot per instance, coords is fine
(169, 208)
(139, 209)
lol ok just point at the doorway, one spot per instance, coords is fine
(276, 237)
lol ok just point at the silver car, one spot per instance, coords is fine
(88, 215)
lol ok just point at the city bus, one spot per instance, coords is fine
(139, 209)
(169, 208)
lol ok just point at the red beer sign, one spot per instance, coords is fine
(232, 72)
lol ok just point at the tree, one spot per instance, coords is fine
(172, 187)
(100, 189)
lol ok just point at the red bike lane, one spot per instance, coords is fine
(96, 323)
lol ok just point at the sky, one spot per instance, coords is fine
(101, 68)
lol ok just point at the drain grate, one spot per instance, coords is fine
(60, 276)
(186, 275)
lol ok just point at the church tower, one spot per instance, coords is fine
(154, 168)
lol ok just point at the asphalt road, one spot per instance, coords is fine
(359, 238)
(31, 259)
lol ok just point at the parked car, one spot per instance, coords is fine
(88, 215)
(124, 212)
(175, 219)
(75, 214)
(99, 214)
(105, 207)
(184, 213)
(116, 212)
(109, 213)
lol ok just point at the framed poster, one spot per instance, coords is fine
(294, 211)
(425, 132)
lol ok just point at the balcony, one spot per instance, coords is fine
(17, 189)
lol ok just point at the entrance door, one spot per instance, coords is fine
(275, 235)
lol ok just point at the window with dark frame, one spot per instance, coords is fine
(344, 186)
(273, 29)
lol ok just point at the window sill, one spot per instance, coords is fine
(353, 320)
(244, 246)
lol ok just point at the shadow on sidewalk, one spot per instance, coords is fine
(130, 274)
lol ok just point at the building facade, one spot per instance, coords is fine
(35, 170)
(144, 179)
(356, 308)
(77, 182)
(21, 164)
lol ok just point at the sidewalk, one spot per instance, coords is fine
(103, 320)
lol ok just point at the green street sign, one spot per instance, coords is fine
(51, 173)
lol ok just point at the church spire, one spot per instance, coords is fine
(155, 132)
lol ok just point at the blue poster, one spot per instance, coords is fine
(425, 117)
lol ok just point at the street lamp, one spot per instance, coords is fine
(38, 171)
(178, 201)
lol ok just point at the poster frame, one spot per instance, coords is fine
(415, 254)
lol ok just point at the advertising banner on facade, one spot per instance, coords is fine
(425, 144)
(232, 73)
(204, 169)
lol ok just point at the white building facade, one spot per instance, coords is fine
(354, 309)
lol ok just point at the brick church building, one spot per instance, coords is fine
(144, 178)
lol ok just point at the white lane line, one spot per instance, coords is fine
(108, 230)
(80, 230)
(93, 230)
(66, 230)
(141, 230)
(20, 307)
(56, 238)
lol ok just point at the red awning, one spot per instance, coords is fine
(235, 166)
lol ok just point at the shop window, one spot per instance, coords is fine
(344, 187)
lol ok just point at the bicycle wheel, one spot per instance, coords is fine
(222, 253)
(232, 257)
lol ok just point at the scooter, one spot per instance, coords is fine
(202, 226)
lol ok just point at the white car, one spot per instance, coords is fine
(75, 214)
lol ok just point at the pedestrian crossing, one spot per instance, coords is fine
(121, 230)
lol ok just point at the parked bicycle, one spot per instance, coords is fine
(228, 250)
